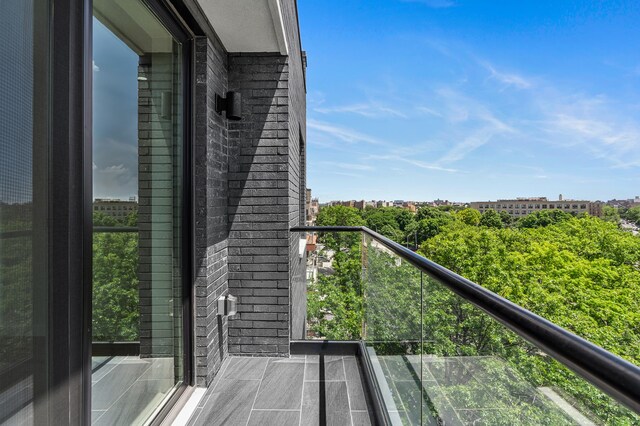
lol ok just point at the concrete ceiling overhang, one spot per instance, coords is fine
(134, 24)
(247, 25)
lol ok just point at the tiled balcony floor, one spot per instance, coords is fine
(301, 390)
(126, 389)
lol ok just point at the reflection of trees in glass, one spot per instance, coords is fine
(116, 310)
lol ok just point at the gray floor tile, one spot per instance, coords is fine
(333, 368)
(106, 368)
(160, 368)
(356, 395)
(245, 368)
(96, 414)
(137, 403)
(229, 403)
(361, 418)
(111, 387)
(98, 361)
(281, 387)
(274, 418)
(335, 409)
(214, 382)
(355, 384)
(351, 368)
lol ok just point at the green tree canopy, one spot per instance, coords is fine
(544, 218)
(469, 216)
(491, 219)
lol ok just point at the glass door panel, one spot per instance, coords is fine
(137, 213)
(24, 269)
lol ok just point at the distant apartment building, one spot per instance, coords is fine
(409, 206)
(312, 208)
(362, 204)
(384, 204)
(520, 207)
(118, 209)
(627, 204)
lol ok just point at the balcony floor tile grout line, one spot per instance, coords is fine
(112, 368)
(344, 370)
(221, 373)
(124, 392)
(255, 398)
(292, 410)
(304, 373)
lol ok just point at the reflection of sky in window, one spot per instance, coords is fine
(115, 116)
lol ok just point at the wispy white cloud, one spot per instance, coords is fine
(574, 120)
(418, 163)
(315, 98)
(507, 79)
(353, 175)
(436, 4)
(349, 166)
(368, 109)
(475, 124)
(428, 111)
(95, 67)
(604, 137)
(342, 133)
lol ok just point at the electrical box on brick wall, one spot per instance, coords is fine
(227, 305)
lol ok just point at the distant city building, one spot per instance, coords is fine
(523, 206)
(311, 209)
(409, 206)
(363, 204)
(627, 204)
(118, 209)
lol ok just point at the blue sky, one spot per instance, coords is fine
(472, 100)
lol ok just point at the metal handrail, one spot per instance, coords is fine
(613, 375)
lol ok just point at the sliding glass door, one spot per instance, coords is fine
(138, 212)
(24, 204)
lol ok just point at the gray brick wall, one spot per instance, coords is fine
(248, 194)
(297, 167)
(258, 205)
(265, 270)
(211, 209)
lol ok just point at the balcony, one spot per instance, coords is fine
(428, 347)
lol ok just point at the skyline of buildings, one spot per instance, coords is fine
(520, 207)
(361, 203)
(516, 207)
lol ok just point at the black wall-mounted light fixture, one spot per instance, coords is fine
(232, 104)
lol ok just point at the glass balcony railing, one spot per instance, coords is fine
(443, 350)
